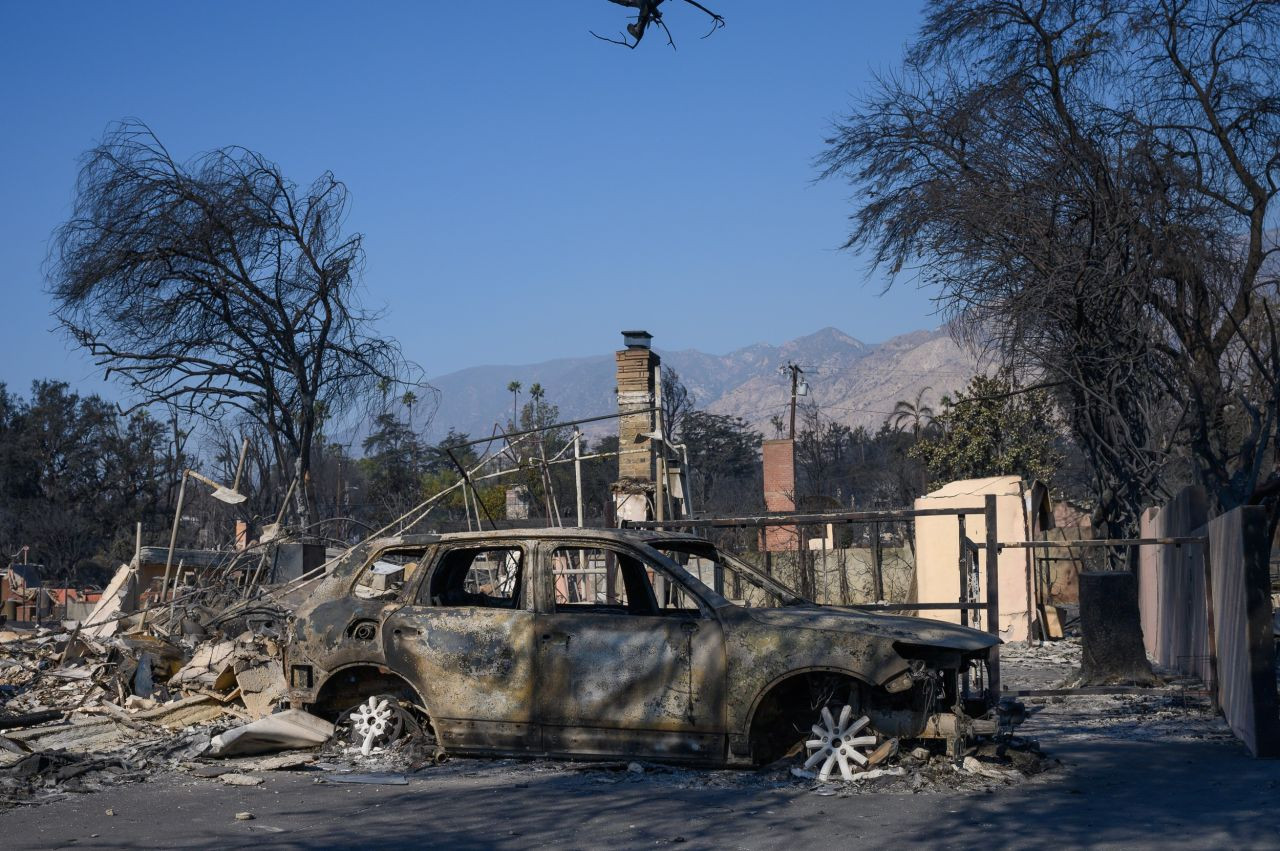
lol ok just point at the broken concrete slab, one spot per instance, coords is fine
(183, 713)
(103, 621)
(210, 667)
(240, 779)
(262, 686)
(286, 730)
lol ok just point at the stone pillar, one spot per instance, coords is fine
(636, 365)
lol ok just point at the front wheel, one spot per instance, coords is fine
(839, 742)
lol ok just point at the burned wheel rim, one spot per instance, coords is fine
(375, 722)
(842, 743)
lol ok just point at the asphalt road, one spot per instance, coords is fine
(1135, 772)
(1124, 794)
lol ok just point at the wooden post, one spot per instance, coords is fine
(244, 450)
(993, 592)
(1212, 634)
(173, 534)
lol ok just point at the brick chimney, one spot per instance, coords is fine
(779, 492)
(636, 367)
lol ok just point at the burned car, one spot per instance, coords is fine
(611, 643)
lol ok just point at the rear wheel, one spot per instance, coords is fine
(377, 722)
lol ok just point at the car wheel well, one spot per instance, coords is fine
(784, 712)
(347, 687)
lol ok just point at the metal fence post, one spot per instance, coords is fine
(992, 582)
(877, 577)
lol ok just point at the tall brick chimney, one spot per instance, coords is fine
(636, 364)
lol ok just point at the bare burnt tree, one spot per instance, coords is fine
(649, 13)
(1091, 185)
(218, 286)
(677, 403)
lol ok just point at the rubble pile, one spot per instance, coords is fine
(82, 708)
(927, 769)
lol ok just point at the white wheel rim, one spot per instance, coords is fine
(838, 743)
(375, 721)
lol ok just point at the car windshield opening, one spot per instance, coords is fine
(729, 576)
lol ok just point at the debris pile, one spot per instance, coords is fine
(130, 692)
(924, 769)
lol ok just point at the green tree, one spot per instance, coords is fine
(992, 428)
(723, 451)
(394, 463)
(75, 476)
(513, 388)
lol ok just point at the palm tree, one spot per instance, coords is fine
(514, 389)
(916, 414)
(536, 392)
(408, 400)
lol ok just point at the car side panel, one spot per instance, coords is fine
(625, 685)
(759, 656)
(474, 668)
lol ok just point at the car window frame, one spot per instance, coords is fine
(445, 547)
(673, 572)
(428, 557)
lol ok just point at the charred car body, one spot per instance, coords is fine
(605, 643)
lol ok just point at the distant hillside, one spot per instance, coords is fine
(854, 382)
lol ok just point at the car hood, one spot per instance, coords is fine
(894, 627)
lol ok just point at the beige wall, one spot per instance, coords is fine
(1239, 661)
(938, 551)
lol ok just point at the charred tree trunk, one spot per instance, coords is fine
(1111, 631)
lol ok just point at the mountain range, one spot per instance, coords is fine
(850, 381)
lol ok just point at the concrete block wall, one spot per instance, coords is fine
(855, 563)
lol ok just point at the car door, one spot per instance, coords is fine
(622, 672)
(466, 639)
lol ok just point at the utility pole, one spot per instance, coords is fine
(796, 372)
(577, 471)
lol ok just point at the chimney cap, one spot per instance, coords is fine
(636, 339)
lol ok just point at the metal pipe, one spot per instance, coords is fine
(1097, 542)
(173, 533)
(792, 519)
(565, 424)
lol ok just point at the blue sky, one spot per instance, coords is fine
(525, 190)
